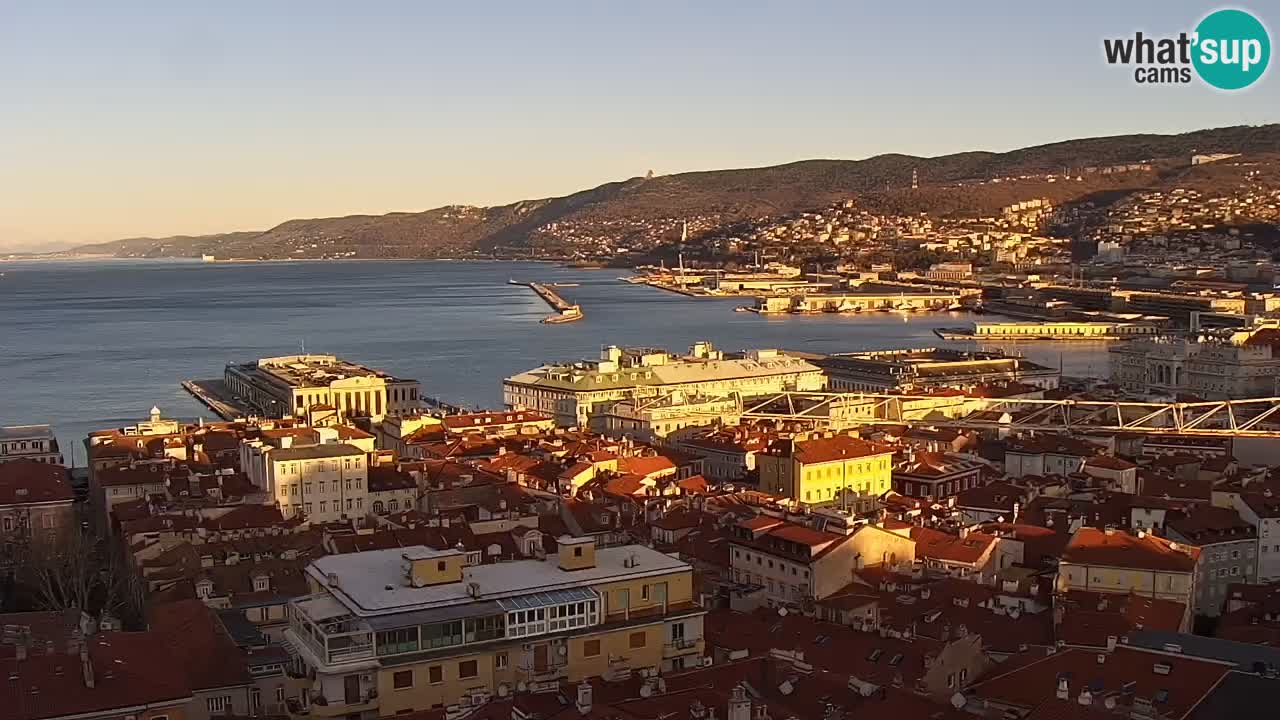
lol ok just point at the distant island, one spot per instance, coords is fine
(637, 220)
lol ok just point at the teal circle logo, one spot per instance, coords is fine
(1232, 49)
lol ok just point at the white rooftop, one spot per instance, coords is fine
(363, 578)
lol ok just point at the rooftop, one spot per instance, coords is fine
(372, 583)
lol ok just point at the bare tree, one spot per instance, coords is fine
(84, 572)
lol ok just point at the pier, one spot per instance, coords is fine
(857, 302)
(214, 395)
(565, 310)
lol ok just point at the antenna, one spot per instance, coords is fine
(304, 346)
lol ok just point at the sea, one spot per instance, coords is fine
(92, 344)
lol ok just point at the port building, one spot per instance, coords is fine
(578, 393)
(294, 385)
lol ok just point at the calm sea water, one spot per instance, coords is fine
(87, 345)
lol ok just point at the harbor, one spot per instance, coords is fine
(566, 311)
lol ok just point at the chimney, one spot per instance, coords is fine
(739, 704)
(86, 666)
(1064, 688)
(584, 697)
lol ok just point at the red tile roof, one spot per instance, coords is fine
(1116, 548)
(26, 481)
(192, 631)
(128, 670)
(1089, 618)
(938, 545)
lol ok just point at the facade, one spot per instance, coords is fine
(323, 483)
(1262, 510)
(830, 469)
(727, 454)
(928, 368)
(500, 424)
(403, 630)
(29, 442)
(665, 418)
(1228, 552)
(1113, 561)
(291, 385)
(577, 393)
(792, 564)
(1212, 369)
(36, 509)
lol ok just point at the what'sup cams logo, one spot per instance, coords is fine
(1228, 50)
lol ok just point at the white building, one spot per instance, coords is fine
(29, 442)
(1240, 366)
(323, 483)
(293, 385)
(575, 393)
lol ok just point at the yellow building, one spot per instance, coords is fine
(410, 629)
(1114, 561)
(826, 469)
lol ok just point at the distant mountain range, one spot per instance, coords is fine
(950, 184)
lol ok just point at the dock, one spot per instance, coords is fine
(214, 395)
(565, 310)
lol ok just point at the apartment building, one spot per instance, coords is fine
(1228, 551)
(1114, 561)
(576, 393)
(410, 629)
(324, 482)
(36, 508)
(827, 469)
(291, 385)
(29, 442)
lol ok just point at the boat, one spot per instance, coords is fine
(954, 307)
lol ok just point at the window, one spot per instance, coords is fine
(392, 642)
(577, 552)
(591, 648)
(637, 640)
(964, 675)
(402, 680)
(951, 680)
(442, 634)
(677, 632)
(261, 583)
(467, 669)
(644, 592)
(218, 705)
(500, 661)
(435, 674)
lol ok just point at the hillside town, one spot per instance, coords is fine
(651, 534)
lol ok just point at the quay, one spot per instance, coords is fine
(565, 310)
(215, 395)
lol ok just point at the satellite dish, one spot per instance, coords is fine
(957, 701)
(646, 691)
(503, 690)
(786, 688)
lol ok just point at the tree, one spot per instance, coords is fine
(84, 572)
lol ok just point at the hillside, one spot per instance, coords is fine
(949, 184)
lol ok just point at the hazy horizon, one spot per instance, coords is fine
(134, 120)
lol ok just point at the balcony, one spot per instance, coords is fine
(322, 708)
(683, 646)
(322, 626)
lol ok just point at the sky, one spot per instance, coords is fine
(126, 119)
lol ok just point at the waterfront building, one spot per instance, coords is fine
(292, 385)
(577, 394)
(396, 631)
(950, 271)
(921, 369)
(1178, 306)
(1066, 330)
(1114, 561)
(29, 442)
(36, 509)
(827, 469)
(1242, 365)
(322, 482)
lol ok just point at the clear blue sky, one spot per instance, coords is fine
(130, 118)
